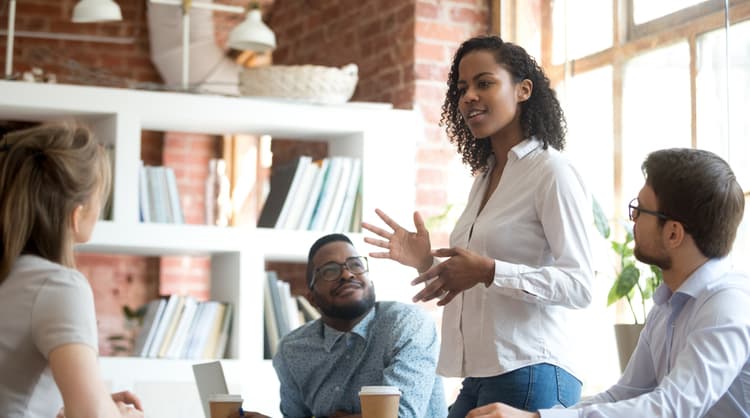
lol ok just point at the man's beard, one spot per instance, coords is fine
(352, 310)
(664, 262)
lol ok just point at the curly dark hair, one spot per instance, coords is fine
(541, 114)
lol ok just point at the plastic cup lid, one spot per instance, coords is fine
(379, 390)
(223, 397)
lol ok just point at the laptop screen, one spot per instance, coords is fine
(209, 377)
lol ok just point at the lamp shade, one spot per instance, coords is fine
(96, 11)
(252, 34)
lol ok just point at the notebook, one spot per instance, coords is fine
(209, 377)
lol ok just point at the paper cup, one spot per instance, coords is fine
(379, 401)
(222, 405)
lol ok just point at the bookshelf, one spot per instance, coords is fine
(383, 138)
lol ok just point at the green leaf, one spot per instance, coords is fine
(624, 283)
(658, 275)
(600, 219)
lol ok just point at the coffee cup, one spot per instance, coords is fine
(223, 405)
(379, 401)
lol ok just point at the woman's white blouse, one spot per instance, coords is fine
(535, 228)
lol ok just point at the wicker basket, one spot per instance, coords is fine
(312, 83)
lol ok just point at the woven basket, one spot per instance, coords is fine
(312, 83)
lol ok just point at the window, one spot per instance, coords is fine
(655, 109)
(636, 78)
(578, 40)
(647, 10)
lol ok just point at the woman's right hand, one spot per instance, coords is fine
(128, 410)
(408, 248)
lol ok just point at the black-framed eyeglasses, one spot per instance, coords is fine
(332, 271)
(635, 210)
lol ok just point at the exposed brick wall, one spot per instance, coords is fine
(81, 62)
(377, 35)
(188, 155)
(441, 26)
(118, 281)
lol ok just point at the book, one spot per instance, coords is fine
(164, 322)
(289, 305)
(175, 207)
(340, 189)
(314, 196)
(226, 327)
(151, 318)
(356, 224)
(281, 181)
(269, 322)
(174, 350)
(156, 194)
(302, 163)
(171, 326)
(279, 309)
(214, 332)
(308, 311)
(143, 194)
(326, 194)
(300, 197)
(192, 331)
(347, 207)
(197, 345)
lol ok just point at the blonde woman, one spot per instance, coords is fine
(52, 182)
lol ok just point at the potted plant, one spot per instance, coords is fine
(634, 281)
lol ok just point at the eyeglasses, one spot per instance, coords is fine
(635, 211)
(332, 271)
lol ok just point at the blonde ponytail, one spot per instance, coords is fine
(45, 173)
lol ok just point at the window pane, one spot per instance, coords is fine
(580, 28)
(645, 10)
(587, 102)
(725, 131)
(722, 124)
(656, 109)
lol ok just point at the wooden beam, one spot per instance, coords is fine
(692, 41)
(496, 13)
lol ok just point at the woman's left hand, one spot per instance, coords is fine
(129, 398)
(462, 270)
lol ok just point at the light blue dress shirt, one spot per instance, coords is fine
(692, 356)
(321, 369)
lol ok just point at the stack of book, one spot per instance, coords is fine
(159, 199)
(283, 312)
(323, 195)
(180, 327)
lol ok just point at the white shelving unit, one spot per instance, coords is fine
(382, 137)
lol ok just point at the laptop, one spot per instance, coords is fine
(209, 377)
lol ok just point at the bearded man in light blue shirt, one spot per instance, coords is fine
(357, 342)
(692, 359)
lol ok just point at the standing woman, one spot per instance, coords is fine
(53, 180)
(519, 257)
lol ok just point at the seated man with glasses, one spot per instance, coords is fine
(693, 355)
(357, 342)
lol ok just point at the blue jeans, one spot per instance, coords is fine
(530, 388)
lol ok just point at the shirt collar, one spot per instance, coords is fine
(518, 152)
(332, 335)
(698, 281)
(525, 147)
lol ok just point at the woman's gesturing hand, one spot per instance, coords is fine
(408, 248)
(462, 270)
